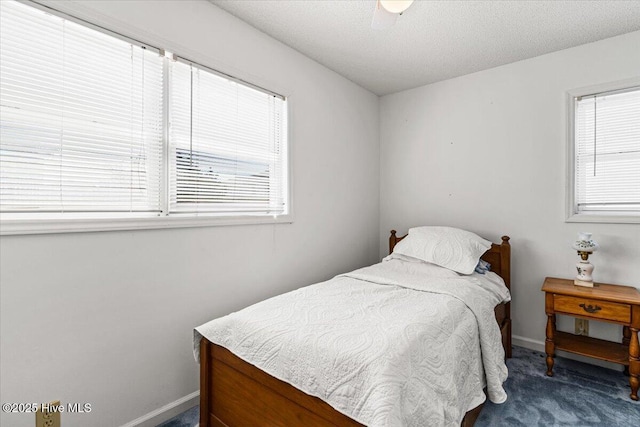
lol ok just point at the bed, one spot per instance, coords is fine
(234, 392)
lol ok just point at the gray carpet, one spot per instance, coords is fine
(188, 418)
(578, 394)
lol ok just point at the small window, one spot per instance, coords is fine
(606, 156)
(227, 146)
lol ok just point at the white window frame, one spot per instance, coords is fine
(110, 222)
(571, 213)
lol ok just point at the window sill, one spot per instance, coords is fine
(604, 219)
(9, 227)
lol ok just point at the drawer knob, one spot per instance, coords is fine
(590, 309)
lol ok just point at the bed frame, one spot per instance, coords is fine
(234, 393)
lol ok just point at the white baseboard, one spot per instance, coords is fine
(536, 345)
(166, 412)
(529, 343)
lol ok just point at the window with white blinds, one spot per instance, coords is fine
(227, 145)
(81, 118)
(607, 153)
(95, 125)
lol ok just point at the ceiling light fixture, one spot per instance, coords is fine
(387, 11)
(396, 6)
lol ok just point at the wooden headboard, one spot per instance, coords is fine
(499, 256)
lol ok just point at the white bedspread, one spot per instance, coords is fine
(394, 344)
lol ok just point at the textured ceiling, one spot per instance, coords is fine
(432, 40)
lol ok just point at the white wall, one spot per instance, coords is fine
(487, 152)
(107, 318)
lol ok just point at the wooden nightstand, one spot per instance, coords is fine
(607, 303)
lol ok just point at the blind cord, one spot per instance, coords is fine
(62, 127)
(132, 62)
(191, 118)
(595, 132)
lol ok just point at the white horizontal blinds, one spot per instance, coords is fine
(607, 146)
(227, 142)
(81, 117)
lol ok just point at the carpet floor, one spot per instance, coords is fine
(578, 394)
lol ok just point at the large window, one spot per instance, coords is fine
(97, 126)
(606, 156)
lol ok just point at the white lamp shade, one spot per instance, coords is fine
(396, 6)
(585, 243)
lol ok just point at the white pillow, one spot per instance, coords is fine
(448, 247)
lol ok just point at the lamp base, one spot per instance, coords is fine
(584, 277)
(584, 283)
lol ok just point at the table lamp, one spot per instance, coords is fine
(585, 246)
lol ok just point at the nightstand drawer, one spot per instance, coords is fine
(611, 311)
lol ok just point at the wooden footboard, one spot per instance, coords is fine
(234, 393)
